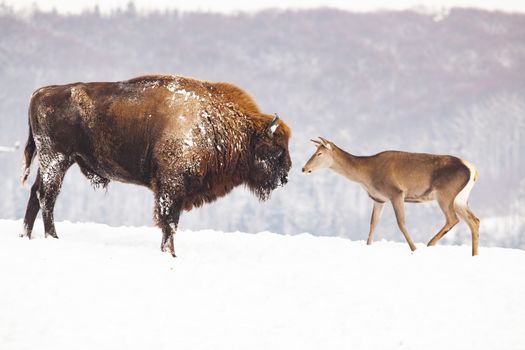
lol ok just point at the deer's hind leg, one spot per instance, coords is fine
(447, 206)
(472, 221)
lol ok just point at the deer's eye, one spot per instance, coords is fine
(318, 154)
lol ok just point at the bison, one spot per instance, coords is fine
(189, 141)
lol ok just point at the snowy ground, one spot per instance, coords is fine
(100, 287)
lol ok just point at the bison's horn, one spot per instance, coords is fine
(273, 125)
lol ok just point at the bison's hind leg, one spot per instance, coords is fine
(32, 209)
(53, 167)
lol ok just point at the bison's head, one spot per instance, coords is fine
(271, 159)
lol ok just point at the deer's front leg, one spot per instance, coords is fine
(376, 215)
(398, 202)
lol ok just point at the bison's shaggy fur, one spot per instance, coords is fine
(189, 141)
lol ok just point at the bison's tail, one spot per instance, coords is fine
(29, 154)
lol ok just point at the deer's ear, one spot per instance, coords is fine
(326, 143)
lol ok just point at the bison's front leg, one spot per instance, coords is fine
(168, 231)
(167, 213)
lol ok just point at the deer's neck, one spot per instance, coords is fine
(350, 166)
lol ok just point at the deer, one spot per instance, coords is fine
(398, 177)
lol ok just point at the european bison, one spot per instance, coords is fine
(189, 141)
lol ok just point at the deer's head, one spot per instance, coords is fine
(322, 158)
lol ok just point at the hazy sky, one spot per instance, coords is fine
(243, 5)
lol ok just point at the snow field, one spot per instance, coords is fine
(101, 287)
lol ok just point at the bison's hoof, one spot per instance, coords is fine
(167, 249)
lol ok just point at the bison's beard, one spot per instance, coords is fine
(268, 174)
